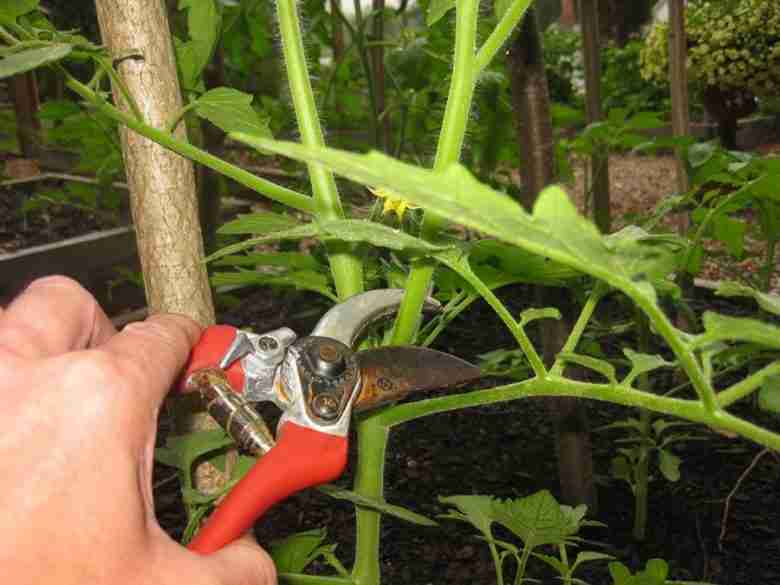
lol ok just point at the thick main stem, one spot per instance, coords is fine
(369, 482)
(345, 266)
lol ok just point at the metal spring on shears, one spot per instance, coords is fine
(234, 414)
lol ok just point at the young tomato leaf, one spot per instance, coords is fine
(669, 465)
(355, 230)
(30, 59)
(294, 553)
(437, 9)
(298, 279)
(768, 302)
(641, 363)
(534, 314)
(232, 111)
(262, 222)
(299, 232)
(377, 505)
(601, 366)
(769, 395)
(538, 519)
(722, 328)
(10, 10)
(181, 451)
(476, 510)
(291, 260)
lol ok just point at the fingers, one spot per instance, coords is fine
(150, 354)
(52, 316)
(244, 562)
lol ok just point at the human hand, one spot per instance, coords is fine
(77, 429)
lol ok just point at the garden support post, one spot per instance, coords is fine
(599, 164)
(163, 197)
(24, 94)
(531, 106)
(678, 74)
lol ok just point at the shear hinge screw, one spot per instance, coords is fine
(267, 343)
(326, 406)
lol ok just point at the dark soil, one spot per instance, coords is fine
(508, 451)
(48, 224)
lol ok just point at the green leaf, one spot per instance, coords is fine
(298, 279)
(308, 230)
(658, 569)
(355, 230)
(722, 328)
(538, 519)
(731, 232)
(644, 121)
(58, 109)
(10, 10)
(603, 367)
(32, 58)
(519, 263)
(203, 26)
(556, 563)
(437, 10)
(476, 510)
(534, 314)
(294, 553)
(769, 302)
(641, 363)
(621, 469)
(262, 222)
(587, 556)
(619, 573)
(669, 465)
(292, 260)
(231, 110)
(769, 395)
(456, 195)
(701, 153)
(181, 451)
(377, 505)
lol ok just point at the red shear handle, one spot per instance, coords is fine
(301, 458)
(210, 350)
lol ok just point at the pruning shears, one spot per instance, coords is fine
(318, 382)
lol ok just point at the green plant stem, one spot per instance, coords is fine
(119, 83)
(298, 579)
(518, 331)
(345, 266)
(521, 565)
(359, 39)
(747, 386)
(642, 476)
(663, 327)
(599, 289)
(692, 410)
(460, 304)
(768, 270)
(369, 482)
(447, 152)
(497, 562)
(269, 189)
(501, 33)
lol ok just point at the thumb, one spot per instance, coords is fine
(243, 562)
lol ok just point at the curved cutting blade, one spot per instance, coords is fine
(391, 373)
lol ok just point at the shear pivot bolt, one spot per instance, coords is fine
(328, 360)
(267, 343)
(325, 406)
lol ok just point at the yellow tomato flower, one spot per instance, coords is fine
(393, 202)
